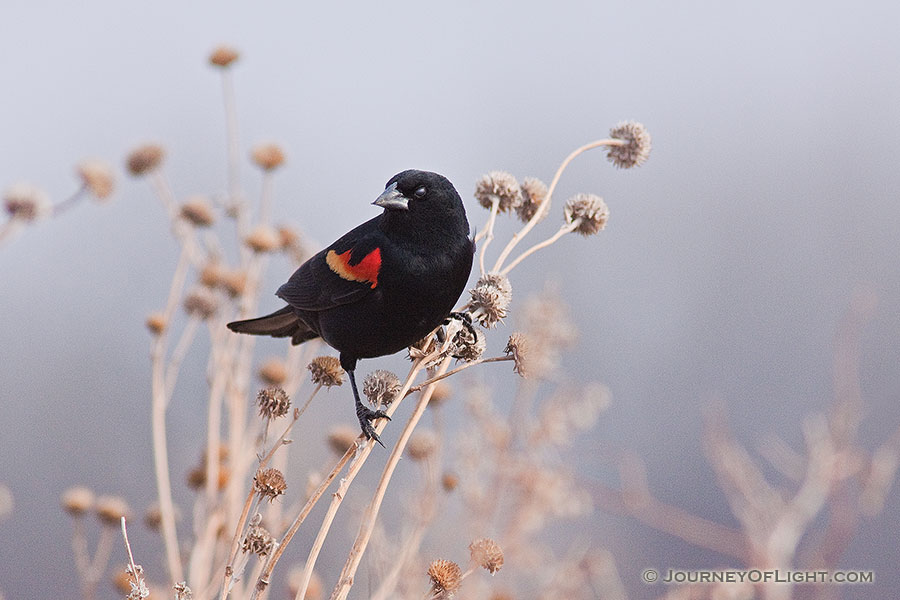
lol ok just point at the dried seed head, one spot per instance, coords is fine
(223, 56)
(234, 282)
(533, 193)
(381, 387)
(289, 237)
(122, 582)
(486, 553)
(25, 202)
(517, 347)
(449, 481)
(97, 177)
(589, 210)
(153, 516)
(326, 370)
(273, 402)
(182, 591)
(156, 323)
(144, 159)
(313, 588)
(258, 541)
(269, 483)
(467, 345)
(201, 303)
(342, 437)
(273, 372)
(445, 575)
(421, 445)
(196, 478)
(77, 500)
(198, 211)
(490, 299)
(268, 156)
(263, 239)
(501, 187)
(211, 274)
(637, 149)
(442, 391)
(111, 509)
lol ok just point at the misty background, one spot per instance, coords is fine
(769, 200)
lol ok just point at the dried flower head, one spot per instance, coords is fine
(222, 56)
(486, 553)
(201, 303)
(269, 483)
(77, 500)
(258, 541)
(156, 323)
(122, 582)
(144, 159)
(449, 481)
(97, 177)
(182, 591)
(25, 202)
(268, 156)
(381, 387)
(490, 299)
(198, 211)
(326, 370)
(342, 437)
(196, 478)
(263, 239)
(517, 347)
(534, 191)
(500, 187)
(234, 282)
(111, 509)
(273, 402)
(421, 444)
(211, 274)
(289, 236)
(313, 587)
(442, 391)
(153, 516)
(589, 210)
(445, 575)
(636, 151)
(273, 372)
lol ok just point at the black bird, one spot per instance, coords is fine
(384, 285)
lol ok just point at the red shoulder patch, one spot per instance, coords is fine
(365, 271)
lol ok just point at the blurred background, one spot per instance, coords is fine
(768, 203)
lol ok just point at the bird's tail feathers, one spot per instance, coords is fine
(281, 323)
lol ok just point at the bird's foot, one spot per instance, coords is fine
(366, 416)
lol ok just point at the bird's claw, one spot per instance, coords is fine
(366, 416)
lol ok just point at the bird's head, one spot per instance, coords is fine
(423, 199)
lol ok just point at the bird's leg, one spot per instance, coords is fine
(365, 414)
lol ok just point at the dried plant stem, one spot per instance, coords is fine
(236, 200)
(82, 556)
(488, 233)
(8, 228)
(265, 199)
(263, 579)
(518, 236)
(567, 228)
(181, 350)
(345, 581)
(159, 403)
(462, 367)
(245, 512)
(69, 202)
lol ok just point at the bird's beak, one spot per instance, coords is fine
(392, 199)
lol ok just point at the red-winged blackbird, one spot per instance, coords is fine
(382, 286)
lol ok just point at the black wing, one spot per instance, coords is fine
(343, 273)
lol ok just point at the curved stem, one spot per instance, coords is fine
(488, 232)
(568, 228)
(517, 237)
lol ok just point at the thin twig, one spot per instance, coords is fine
(488, 232)
(568, 228)
(462, 367)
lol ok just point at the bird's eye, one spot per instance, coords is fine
(420, 193)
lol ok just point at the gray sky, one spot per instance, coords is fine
(728, 261)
